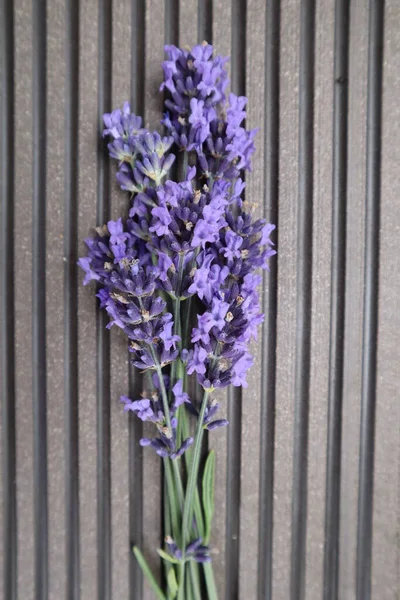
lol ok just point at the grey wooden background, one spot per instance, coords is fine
(93, 489)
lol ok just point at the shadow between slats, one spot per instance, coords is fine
(8, 548)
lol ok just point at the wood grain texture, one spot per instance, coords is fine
(286, 326)
(386, 550)
(56, 40)
(23, 294)
(121, 551)
(354, 296)
(386, 517)
(151, 462)
(222, 29)
(322, 217)
(88, 130)
(250, 435)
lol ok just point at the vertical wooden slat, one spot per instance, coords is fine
(39, 391)
(321, 265)
(250, 429)
(371, 297)
(187, 23)
(102, 334)
(354, 289)
(171, 35)
(221, 27)
(71, 398)
(138, 74)
(303, 300)
(57, 167)
(8, 518)
(337, 324)
(23, 294)
(153, 102)
(88, 400)
(268, 364)
(386, 504)
(287, 219)
(122, 557)
(204, 21)
(234, 408)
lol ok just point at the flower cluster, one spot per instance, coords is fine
(198, 117)
(194, 551)
(142, 155)
(193, 238)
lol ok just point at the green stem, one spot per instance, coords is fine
(198, 513)
(193, 473)
(149, 575)
(194, 576)
(185, 335)
(210, 582)
(177, 318)
(174, 509)
(181, 595)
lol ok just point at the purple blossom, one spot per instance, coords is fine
(141, 408)
(180, 396)
(196, 237)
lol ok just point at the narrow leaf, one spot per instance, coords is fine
(172, 583)
(208, 494)
(148, 574)
(165, 556)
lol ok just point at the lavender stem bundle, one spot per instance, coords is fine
(179, 277)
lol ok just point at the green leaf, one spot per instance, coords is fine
(165, 556)
(210, 582)
(208, 494)
(148, 574)
(172, 583)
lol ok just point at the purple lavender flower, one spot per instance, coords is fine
(195, 550)
(142, 408)
(180, 396)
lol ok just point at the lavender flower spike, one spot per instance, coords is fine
(179, 277)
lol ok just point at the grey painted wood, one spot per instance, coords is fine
(88, 132)
(288, 193)
(386, 550)
(251, 397)
(121, 556)
(386, 558)
(322, 222)
(23, 291)
(55, 300)
(354, 296)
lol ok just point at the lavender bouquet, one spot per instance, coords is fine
(179, 277)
